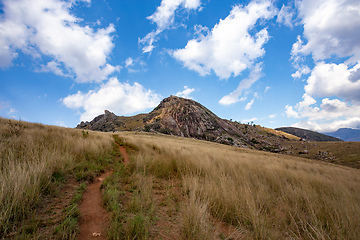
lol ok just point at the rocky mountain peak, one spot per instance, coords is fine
(99, 121)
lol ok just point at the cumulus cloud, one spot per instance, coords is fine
(331, 28)
(120, 98)
(186, 92)
(164, 18)
(229, 48)
(330, 79)
(50, 29)
(331, 99)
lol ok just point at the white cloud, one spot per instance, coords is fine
(331, 28)
(246, 83)
(353, 122)
(249, 104)
(301, 70)
(330, 115)
(273, 115)
(134, 65)
(60, 123)
(331, 99)
(229, 48)
(129, 62)
(120, 98)
(50, 29)
(164, 18)
(330, 79)
(285, 16)
(251, 120)
(53, 67)
(290, 112)
(186, 92)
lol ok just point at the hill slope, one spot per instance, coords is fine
(172, 187)
(308, 135)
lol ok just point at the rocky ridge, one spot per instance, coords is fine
(188, 118)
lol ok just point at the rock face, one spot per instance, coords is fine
(102, 122)
(187, 118)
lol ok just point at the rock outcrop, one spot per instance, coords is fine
(188, 118)
(103, 122)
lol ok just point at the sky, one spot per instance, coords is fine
(270, 62)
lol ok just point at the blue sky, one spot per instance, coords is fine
(276, 63)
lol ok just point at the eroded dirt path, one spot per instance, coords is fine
(124, 155)
(94, 217)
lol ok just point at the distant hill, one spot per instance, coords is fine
(188, 118)
(346, 134)
(309, 135)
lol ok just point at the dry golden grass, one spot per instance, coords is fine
(29, 156)
(264, 195)
(278, 133)
(342, 153)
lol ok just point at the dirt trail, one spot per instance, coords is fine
(94, 217)
(124, 155)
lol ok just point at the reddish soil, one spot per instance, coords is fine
(94, 217)
(124, 155)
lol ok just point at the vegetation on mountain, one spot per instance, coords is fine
(173, 187)
(188, 118)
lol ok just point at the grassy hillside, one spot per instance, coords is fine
(35, 162)
(341, 153)
(173, 188)
(227, 191)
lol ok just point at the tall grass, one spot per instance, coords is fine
(30, 154)
(263, 195)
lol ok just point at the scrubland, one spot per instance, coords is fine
(176, 188)
(262, 195)
(34, 156)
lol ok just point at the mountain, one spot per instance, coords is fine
(188, 118)
(308, 135)
(346, 134)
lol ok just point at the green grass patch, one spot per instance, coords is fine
(68, 228)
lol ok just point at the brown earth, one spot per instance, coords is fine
(124, 155)
(94, 217)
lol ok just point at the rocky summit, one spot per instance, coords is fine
(188, 118)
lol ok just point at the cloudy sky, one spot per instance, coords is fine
(276, 63)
